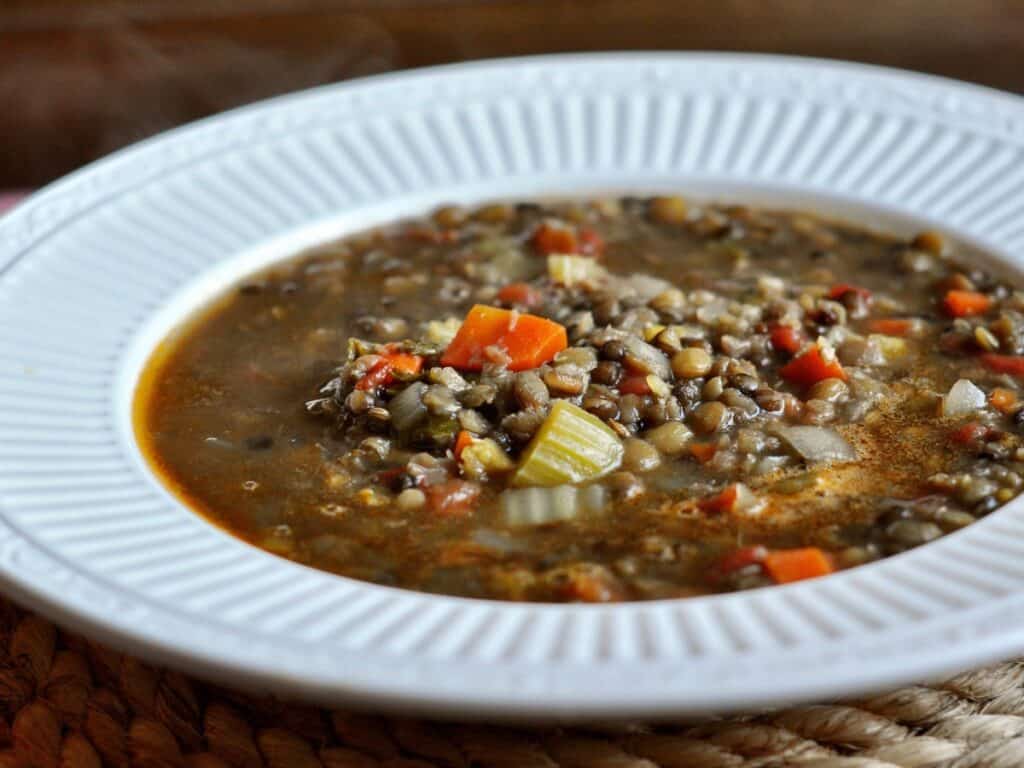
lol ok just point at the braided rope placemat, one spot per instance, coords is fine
(66, 702)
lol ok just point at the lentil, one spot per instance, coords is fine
(691, 363)
(670, 438)
(709, 417)
(669, 210)
(639, 455)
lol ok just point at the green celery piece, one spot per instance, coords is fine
(570, 446)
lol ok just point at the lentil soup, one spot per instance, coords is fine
(596, 401)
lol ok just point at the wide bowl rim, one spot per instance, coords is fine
(219, 657)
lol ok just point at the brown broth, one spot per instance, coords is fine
(220, 409)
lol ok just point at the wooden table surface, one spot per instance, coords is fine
(79, 78)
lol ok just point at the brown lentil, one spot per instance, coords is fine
(639, 455)
(668, 210)
(709, 417)
(691, 363)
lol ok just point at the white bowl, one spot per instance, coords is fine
(95, 269)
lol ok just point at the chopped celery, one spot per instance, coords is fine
(443, 331)
(570, 446)
(892, 347)
(542, 506)
(483, 457)
(439, 430)
(568, 269)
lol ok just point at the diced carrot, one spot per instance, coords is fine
(591, 243)
(740, 558)
(811, 367)
(383, 373)
(406, 364)
(454, 498)
(841, 289)
(785, 338)
(523, 294)
(892, 326)
(529, 341)
(1003, 400)
(966, 303)
(722, 501)
(703, 452)
(551, 237)
(634, 385)
(1010, 364)
(463, 441)
(970, 432)
(786, 565)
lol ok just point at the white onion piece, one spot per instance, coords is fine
(747, 503)
(407, 408)
(817, 444)
(963, 398)
(645, 286)
(543, 506)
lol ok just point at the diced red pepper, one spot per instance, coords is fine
(529, 340)
(740, 558)
(966, 303)
(841, 289)
(454, 498)
(383, 372)
(723, 501)
(1009, 364)
(590, 243)
(787, 339)
(811, 367)
(521, 294)
(970, 432)
(634, 385)
(550, 237)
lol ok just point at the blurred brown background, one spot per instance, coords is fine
(79, 78)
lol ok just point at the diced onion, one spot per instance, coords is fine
(499, 542)
(817, 444)
(646, 287)
(407, 408)
(964, 398)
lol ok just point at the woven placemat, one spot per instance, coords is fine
(67, 702)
